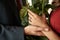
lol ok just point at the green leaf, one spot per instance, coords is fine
(39, 7)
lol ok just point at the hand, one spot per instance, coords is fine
(33, 30)
(35, 19)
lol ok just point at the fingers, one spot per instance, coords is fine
(34, 30)
(38, 34)
(29, 19)
(32, 14)
(30, 22)
(37, 31)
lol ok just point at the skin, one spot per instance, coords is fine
(40, 21)
(39, 26)
(56, 3)
(33, 30)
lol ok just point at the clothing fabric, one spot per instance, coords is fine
(9, 13)
(11, 33)
(10, 28)
(55, 20)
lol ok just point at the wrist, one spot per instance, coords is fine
(45, 25)
(46, 28)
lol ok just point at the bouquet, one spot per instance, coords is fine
(39, 7)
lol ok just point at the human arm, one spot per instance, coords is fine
(40, 21)
(17, 33)
(51, 34)
(12, 32)
(33, 30)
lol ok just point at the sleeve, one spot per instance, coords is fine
(12, 33)
(55, 20)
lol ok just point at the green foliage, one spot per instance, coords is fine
(39, 7)
(36, 38)
(24, 16)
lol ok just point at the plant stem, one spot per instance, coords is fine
(43, 6)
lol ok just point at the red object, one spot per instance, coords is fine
(55, 20)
